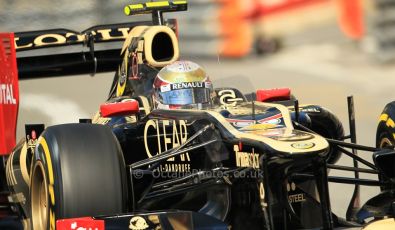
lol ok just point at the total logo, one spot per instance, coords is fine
(7, 95)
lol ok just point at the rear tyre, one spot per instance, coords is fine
(78, 170)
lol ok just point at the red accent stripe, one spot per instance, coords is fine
(119, 108)
(264, 10)
(277, 116)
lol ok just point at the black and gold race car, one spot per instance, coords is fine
(254, 160)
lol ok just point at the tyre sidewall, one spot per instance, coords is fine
(44, 156)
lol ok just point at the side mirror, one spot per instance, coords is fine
(123, 108)
(269, 95)
(385, 162)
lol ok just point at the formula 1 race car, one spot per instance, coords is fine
(255, 160)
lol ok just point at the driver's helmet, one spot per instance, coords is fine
(182, 85)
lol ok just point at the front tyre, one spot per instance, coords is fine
(78, 170)
(326, 124)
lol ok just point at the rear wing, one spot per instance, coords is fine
(88, 59)
(61, 37)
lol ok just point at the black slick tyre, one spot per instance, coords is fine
(327, 125)
(78, 170)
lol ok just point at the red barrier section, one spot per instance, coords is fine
(9, 93)
(236, 17)
(351, 18)
(235, 29)
(269, 7)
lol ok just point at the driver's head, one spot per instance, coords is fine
(182, 85)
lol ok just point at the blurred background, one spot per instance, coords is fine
(324, 50)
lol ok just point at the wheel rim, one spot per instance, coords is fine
(39, 197)
(385, 142)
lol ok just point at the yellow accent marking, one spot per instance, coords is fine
(51, 191)
(258, 127)
(128, 9)
(179, 2)
(136, 6)
(157, 4)
(390, 123)
(383, 117)
(51, 220)
(393, 134)
(44, 144)
(121, 88)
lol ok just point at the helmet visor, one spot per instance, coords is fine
(185, 96)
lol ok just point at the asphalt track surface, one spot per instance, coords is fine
(320, 72)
